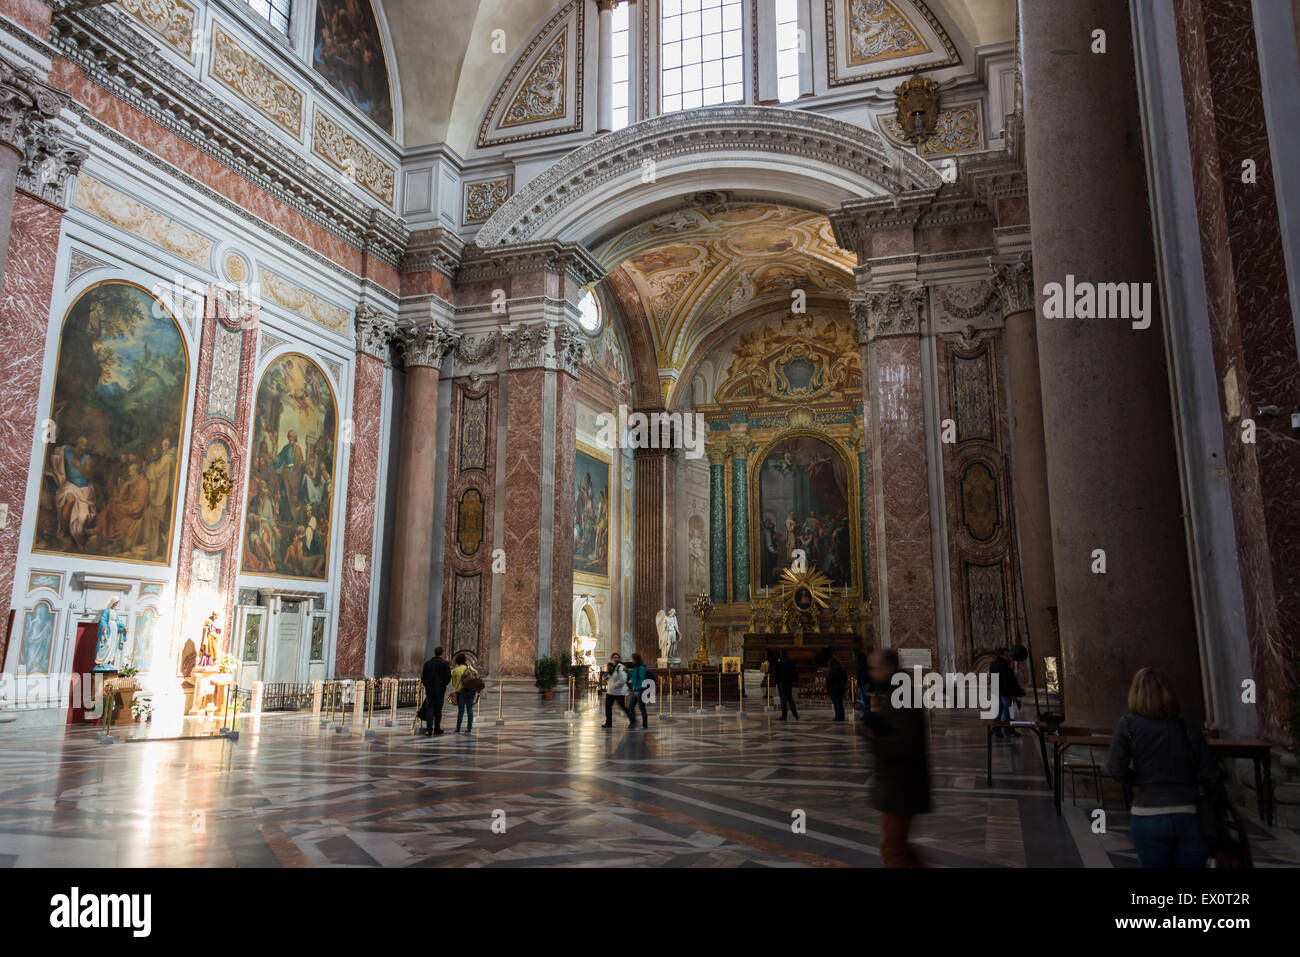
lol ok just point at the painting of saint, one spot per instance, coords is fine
(349, 54)
(38, 637)
(804, 504)
(291, 478)
(110, 479)
(591, 516)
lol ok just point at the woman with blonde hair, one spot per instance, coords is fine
(1166, 761)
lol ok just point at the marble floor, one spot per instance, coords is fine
(701, 791)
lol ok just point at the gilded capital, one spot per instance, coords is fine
(717, 453)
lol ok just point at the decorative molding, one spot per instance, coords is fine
(471, 351)
(1014, 283)
(375, 330)
(171, 20)
(528, 345)
(484, 197)
(270, 341)
(346, 153)
(223, 376)
(426, 345)
(893, 312)
(480, 264)
(438, 249)
(244, 74)
(871, 39)
(541, 96)
(29, 123)
(103, 42)
(705, 131)
(293, 297)
(957, 130)
(79, 264)
(964, 302)
(135, 217)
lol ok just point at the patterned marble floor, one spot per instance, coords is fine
(710, 791)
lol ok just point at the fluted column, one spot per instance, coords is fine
(1014, 281)
(423, 348)
(1112, 467)
(605, 67)
(738, 447)
(717, 523)
(374, 331)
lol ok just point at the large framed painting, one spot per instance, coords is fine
(804, 502)
(591, 515)
(349, 54)
(291, 477)
(109, 481)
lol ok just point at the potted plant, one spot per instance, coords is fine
(125, 685)
(142, 709)
(547, 676)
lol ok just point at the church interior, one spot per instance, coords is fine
(749, 338)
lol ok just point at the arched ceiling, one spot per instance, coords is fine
(449, 71)
(693, 269)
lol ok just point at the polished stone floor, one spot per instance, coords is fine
(701, 791)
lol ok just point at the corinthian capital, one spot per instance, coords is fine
(29, 110)
(374, 331)
(570, 349)
(1014, 282)
(427, 345)
(894, 312)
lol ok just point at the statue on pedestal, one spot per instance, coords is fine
(111, 640)
(666, 625)
(208, 643)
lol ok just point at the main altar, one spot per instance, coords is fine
(803, 617)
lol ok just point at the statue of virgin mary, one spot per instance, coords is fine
(112, 639)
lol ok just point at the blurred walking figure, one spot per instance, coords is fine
(464, 698)
(1009, 690)
(637, 679)
(785, 676)
(435, 678)
(615, 688)
(1166, 761)
(901, 783)
(837, 682)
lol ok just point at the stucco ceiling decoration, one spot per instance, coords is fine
(541, 95)
(870, 39)
(696, 267)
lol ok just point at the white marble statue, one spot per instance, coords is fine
(668, 632)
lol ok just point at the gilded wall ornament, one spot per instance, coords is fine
(256, 82)
(917, 102)
(217, 483)
(541, 97)
(358, 164)
(484, 198)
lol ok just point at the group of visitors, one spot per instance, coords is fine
(626, 688)
(441, 679)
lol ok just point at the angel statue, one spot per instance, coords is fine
(666, 624)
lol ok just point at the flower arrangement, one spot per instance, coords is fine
(228, 663)
(142, 709)
(128, 671)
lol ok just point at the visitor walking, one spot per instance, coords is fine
(615, 688)
(464, 697)
(837, 682)
(786, 673)
(1009, 690)
(637, 681)
(901, 783)
(1166, 761)
(435, 678)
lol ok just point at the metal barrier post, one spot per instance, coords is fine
(572, 713)
(370, 686)
(740, 690)
(500, 688)
(720, 708)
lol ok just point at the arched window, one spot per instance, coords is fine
(276, 12)
(702, 59)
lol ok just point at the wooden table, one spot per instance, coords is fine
(1062, 743)
(1258, 753)
(1035, 726)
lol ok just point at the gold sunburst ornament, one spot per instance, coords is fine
(803, 591)
(217, 483)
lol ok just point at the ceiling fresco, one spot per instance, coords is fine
(695, 268)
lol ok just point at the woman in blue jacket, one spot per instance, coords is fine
(636, 678)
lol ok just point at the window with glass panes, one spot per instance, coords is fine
(622, 67)
(702, 60)
(787, 50)
(276, 12)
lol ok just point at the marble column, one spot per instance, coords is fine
(1112, 468)
(605, 67)
(653, 544)
(889, 325)
(859, 444)
(1014, 281)
(374, 330)
(738, 447)
(223, 430)
(424, 349)
(717, 523)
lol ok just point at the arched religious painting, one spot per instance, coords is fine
(803, 489)
(349, 54)
(109, 482)
(291, 480)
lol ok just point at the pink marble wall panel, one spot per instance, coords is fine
(33, 15)
(522, 532)
(24, 313)
(224, 537)
(427, 282)
(1251, 330)
(1013, 211)
(906, 534)
(888, 242)
(871, 483)
(566, 438)
(359, 522)
(459, 481)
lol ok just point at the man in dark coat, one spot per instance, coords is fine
(837, 682)
(1008, 689)
(786, 673)
(900, 787)
(435, 678)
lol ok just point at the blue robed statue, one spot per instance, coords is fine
(112, 639)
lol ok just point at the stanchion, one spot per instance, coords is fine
(328, 690)
(393, 685)
(371, 683)
(500, 720)
(419, 702)
(740, 689)
(720, 707)
(231, 713)
(667, 718)
(572, 713)
(767, 687)
(343, 713)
